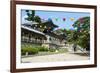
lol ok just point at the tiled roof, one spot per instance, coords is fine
(30, 29)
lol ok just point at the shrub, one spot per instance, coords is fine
(23, 52)
(30, 50)
(52, 50)
(43, 49)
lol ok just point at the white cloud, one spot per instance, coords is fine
(23, 19)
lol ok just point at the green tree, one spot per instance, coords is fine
(30, 14)
(37, 19)
(82, 34)
(33, 18)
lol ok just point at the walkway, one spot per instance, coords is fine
(54, 58)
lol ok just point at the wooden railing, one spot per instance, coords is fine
(33, 40)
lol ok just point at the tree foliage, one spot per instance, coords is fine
(32, 17)
(82, 34)
(30, 14)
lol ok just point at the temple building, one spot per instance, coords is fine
(42, 34)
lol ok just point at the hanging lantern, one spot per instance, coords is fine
(49, 19)
(72, 19)
(56, 19)
(81, 20)
(72, 24)
(35, 25)
(40, 26)
(64, 19)
(45, 27)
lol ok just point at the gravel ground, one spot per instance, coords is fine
(54, 58)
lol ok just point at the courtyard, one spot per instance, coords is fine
(55, 57)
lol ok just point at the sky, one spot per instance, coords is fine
(59, 15)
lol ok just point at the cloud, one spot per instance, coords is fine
(23, 19)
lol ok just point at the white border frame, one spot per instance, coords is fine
(20, 65)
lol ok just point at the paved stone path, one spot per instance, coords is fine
(54, 58)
